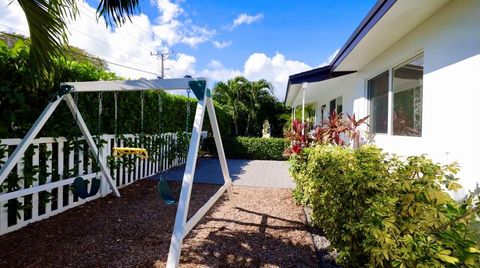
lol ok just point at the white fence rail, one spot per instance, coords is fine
(40, 184)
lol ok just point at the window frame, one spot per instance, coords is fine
(390, 71)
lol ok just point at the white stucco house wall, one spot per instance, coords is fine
(414, 67)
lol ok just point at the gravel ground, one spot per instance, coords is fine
(260, 228)
(326, 256)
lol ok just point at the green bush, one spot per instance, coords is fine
(249, 148)
(20, 105)
(380, 211)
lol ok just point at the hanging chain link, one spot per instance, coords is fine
(116, 117)
(99, 128)
(76, 147)
(75, 110)
(142, 97)
(160, 104)
(188, 111)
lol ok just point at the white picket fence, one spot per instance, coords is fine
(58, 165)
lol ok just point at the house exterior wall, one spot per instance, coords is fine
(450, 43)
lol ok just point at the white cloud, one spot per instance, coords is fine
(130, 44)
(214, 64)
(182, 65)
(12, 17)
(244, 18)
(275, 69)
(168, 10)
(171, 29)
(222, 44)
(329, 59)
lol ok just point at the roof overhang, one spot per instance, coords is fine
(387, 22)
(317, 91)
(312, 76)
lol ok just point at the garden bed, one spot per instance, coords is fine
(261, 228)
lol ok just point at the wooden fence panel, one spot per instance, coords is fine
(60, 163)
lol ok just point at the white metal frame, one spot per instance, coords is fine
(182, 227)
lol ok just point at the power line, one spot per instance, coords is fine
(163, 56)
(113, 63)
(86, 56)
(107, 44)
(119, 30)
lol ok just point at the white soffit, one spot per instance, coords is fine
(293, 90)
(315, 90)
(400, 19)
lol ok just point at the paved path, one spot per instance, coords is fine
(254, 173)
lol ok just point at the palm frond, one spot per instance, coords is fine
(116, 12)
(47, 21)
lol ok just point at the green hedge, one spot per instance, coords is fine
(20, 105)
(249, 148)
(380, 211)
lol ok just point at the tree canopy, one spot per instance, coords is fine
(250, 103)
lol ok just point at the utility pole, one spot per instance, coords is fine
(163, 56)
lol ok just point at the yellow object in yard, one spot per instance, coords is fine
(121, 151)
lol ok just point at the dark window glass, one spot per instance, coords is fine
(339, 102)
(333, 106)
(378, 97)
(407, 98)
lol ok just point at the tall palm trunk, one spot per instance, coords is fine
(235, 123)
(248, 124)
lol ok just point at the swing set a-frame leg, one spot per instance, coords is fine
(37, 126)
(28, 139)
(182, 227)
(91, 143)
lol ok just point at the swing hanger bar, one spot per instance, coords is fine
(128, 85)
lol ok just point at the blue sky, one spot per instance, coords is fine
(308, 31)
(216, 39)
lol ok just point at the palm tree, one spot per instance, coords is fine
(230, 95)
(254, 92)
(47, 22)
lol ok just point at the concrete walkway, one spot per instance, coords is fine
(253, 173)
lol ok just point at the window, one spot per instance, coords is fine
(336, 105)
(407, 98)
(378, 96)
(322, 114)
(407, 91)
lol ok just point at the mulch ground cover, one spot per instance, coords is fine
(259, 228)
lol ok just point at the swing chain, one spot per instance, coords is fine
(116, 116)
(99, 126)
(142, 97)
(188, 111)
(75, 110)
(76, 147)
(159, 112)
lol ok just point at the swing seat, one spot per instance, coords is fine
(80, 187)
(121, 151)
(165, 192)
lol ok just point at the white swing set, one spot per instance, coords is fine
(182, 227)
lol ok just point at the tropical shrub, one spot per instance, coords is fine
(335, 130)
(380, 211)
(249, 147)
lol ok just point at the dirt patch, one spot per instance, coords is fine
(260, 228)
